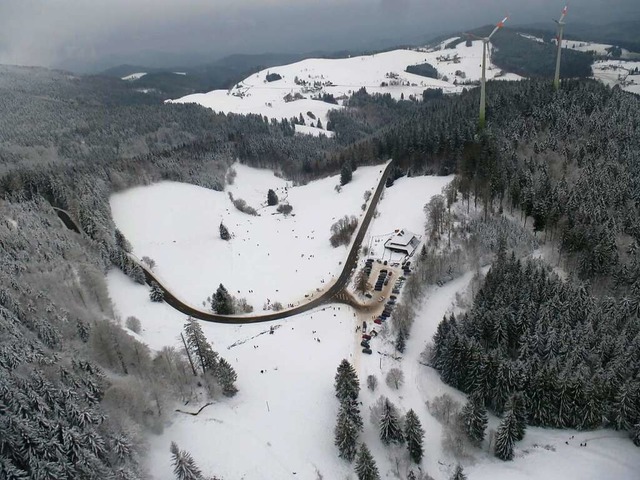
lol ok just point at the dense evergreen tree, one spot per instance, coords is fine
(458, 474)
(390, 425)
(400, 343)
(474, 419)
(222, 302)
(506, 437)
(517, 405)
(224, 232)
(346, 436)
(346, 173)
(184, 467)
(156, 294)
(366, 468)
(199, 348)
(414, 435)
(226, 377)
(272, 198)
(346, 384)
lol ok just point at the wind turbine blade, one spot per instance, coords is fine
(498, 27)
(564, 13)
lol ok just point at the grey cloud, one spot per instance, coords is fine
(90, 32)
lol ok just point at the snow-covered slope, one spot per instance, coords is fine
(271, 257)
(134, 76)
(280, 424)
(379, 73)
(618, 72)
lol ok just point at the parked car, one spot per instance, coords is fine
(364, 326)
(364, 344)
(367, 351)
(378, 321)
(366, 337)
(368, 295)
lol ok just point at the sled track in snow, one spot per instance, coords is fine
(329, 295)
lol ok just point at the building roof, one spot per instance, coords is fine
(404, 241)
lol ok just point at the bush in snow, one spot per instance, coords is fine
(284, 208)
(395, 378)
(346, 173)
(133, 324)
(342, 230)
(372, 382)
(150, 262)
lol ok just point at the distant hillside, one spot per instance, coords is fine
(622, 34)
(528, 58)
(220, 74)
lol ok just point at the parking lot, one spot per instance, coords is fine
(386, 281)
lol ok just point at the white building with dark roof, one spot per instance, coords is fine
(404, 242)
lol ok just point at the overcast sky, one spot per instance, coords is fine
(86, 33)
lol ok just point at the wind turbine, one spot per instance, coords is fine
(561, 24)
(485, 42)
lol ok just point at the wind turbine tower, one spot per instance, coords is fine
(485, 42)
(561, 24)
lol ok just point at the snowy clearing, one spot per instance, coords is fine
(597, 48)
(134, 76)
(293, 94)
(618, 72)
(280, 424)
(270, 257)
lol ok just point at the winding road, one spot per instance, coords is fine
(327, 296)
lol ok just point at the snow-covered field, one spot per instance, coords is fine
(597, 48)
(618, 72)
(270, 257)
(280, 424)
(134, 76)
(312, 77)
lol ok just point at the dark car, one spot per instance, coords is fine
(378, 321)
(364, 326)
(367, 351)
(364, 344)
(366, 337)
(368, 295)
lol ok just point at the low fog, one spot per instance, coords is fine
(90, 35)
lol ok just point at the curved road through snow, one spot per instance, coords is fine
(325, 297)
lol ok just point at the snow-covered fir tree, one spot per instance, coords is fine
(506, 436)
(222, 302)
(517, 405)
(199, 348)
(366, 468)
(459, 474)
(226, 377)
(184, 466)
(474, 418)
(346, 436)
(272, 198)
(414, 435)
(390, 425)
(156, 294)
(400, 343)
(346, 173)
(346, 384)
(350, 407)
